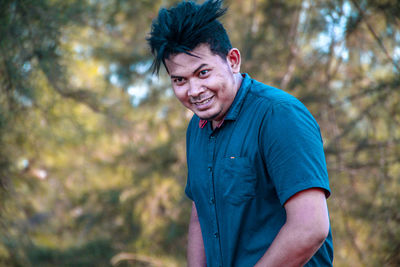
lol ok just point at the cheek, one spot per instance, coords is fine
(219, 83)
(180, 93)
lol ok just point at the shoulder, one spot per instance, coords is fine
(280, 111)
(269, 94)
(270, 99)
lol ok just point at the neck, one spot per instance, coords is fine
(238, 82)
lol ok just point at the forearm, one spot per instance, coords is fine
(195, 251)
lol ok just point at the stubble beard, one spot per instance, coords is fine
(210, 118)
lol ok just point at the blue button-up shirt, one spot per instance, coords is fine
(240, 174)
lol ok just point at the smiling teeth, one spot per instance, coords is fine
(204, 102)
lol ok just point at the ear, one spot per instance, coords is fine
(233, 58)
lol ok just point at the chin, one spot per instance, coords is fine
(207, 117)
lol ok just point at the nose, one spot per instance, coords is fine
(195, 88)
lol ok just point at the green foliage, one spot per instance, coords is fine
(94, 253)
(92, 158)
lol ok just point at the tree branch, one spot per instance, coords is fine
(294, 49)
(372, 31)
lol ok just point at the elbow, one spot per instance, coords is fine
(312, 240)
(320, 237)
(316, 229)
(316, 236)
(308, 239)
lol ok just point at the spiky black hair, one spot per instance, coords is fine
(182, 28)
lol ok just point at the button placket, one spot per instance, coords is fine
(212, 200)
(211, 150)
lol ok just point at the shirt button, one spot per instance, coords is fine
(209, 169)
(212, 136)
(212, 200)
(216, 235)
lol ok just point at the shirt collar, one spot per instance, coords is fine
(234, 109)
(237, 104)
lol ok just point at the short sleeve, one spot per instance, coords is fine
(293, 150)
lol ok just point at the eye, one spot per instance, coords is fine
(203, 73)
(179, 80)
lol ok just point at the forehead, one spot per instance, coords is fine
(183, 62)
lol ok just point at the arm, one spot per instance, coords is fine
(305, 230)
(195, 254)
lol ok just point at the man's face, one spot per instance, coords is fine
(205, 83)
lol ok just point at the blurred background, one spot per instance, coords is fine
(92, 145)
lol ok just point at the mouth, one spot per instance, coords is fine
(203, 104)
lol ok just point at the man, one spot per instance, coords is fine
(256, 168)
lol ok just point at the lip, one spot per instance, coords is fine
(204, 104)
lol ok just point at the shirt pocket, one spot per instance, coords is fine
(239, 180)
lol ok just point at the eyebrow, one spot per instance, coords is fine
(196, 70)
(201, 66)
